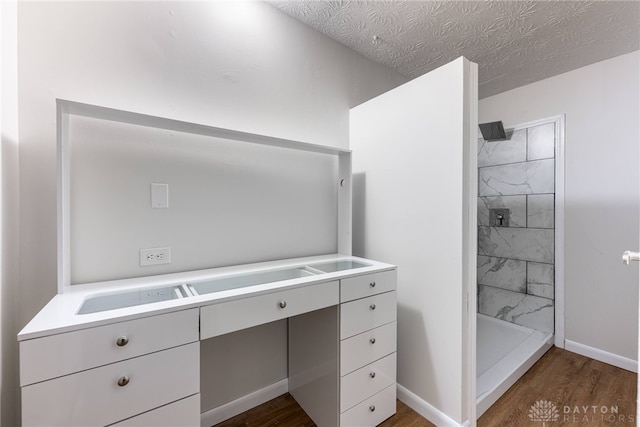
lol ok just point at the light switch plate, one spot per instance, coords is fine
(159, 195)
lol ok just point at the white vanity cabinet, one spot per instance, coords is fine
(85, 361)
(367, 349)
(111, 373)
(126, 352)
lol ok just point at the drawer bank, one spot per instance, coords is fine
(127, 352)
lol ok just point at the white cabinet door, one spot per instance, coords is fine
(101, 345)
(108, 394)
(367, 313)
(414, 191)
(367, 381)
(225, 317)
(367, 285)
(371, 411)
(364, 348)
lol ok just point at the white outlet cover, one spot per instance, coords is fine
(155, 256)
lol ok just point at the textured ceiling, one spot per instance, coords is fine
(513, 42)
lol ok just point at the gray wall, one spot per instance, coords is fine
(516, 262)
(239, 65)
(602, 194)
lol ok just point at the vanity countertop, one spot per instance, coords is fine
(61, 313)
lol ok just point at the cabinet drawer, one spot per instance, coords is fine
(183, 413)
(367, 313)
(218, 319)
(367, 285)
(365, 382)
(88, 348)
(372, 411)
(364, 348)
(94, 397)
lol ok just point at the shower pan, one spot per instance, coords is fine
(505, 352)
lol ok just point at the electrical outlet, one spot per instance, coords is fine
(155, 256)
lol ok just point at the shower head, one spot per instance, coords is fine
(493, 131)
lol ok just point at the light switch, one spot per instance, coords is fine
(159, 196)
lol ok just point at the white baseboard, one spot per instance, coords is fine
(425, 409)
(602, 356)
(244, 403)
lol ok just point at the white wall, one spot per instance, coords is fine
(414, 200)
(239, 65)
(601, 103)
(8, 211)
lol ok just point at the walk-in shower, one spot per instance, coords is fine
(516, 255)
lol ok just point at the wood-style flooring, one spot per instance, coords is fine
(284, 411)
(570, 382)
(582, 386)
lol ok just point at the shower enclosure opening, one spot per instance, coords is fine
(516, 255)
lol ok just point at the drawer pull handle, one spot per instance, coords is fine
(122, 341)
(372, 284)
(123, 381)
(372, 306)
(372, 408)
(372, 340)
(372, 374)
(282, 304)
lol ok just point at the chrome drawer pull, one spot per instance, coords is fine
(122, 341)
(123, 381)
(372, 306)
(282, 304)
(372, 284)
(372, 374)
(372, 408)
(372, 340)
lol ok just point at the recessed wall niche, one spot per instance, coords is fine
(230, 202)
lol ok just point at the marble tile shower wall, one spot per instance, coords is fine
(516, 262)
